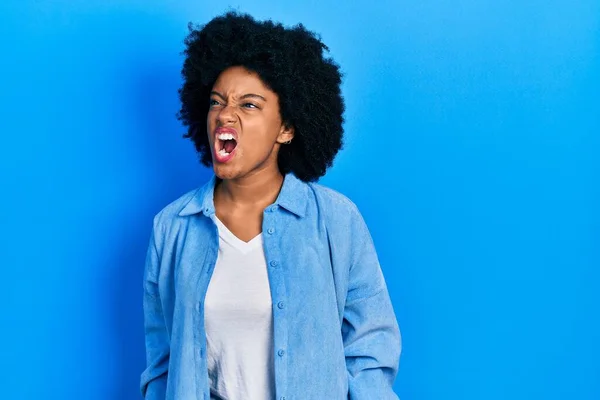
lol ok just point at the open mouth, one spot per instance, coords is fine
(226, 144)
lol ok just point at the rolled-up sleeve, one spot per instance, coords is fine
(153, 381)
(370, 331)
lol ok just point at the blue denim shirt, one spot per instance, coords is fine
(335, 331)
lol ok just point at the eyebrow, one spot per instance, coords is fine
(247, 95)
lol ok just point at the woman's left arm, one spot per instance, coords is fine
(370, 331)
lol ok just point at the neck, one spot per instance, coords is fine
(260, 189)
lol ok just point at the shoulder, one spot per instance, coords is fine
(345, 226)
(170, 213)
(333, 203)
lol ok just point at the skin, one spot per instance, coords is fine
(251, 181)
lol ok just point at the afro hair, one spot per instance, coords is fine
(290, 61)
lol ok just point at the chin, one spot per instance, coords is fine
(227, 172)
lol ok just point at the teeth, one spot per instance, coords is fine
(225, 136)
(223, 153)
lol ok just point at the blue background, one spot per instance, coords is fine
(473, 129)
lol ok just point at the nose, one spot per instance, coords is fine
(226, 115)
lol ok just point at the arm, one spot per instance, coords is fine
(370, 331)
(153, 382)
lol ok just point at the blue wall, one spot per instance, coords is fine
(482, 199)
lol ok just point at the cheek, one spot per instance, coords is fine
(267, 129)
(211, 124)
(262, 139)
(210, 119)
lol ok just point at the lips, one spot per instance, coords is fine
(226, 140)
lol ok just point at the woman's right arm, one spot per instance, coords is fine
(153, 382)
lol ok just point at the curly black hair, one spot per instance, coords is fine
(291, 63)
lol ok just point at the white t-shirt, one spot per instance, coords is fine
(239, 321)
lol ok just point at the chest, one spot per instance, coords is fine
(295, 258)
(239, 285)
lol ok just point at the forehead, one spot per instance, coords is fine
(239, 81)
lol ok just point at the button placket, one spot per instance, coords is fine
(278, 292)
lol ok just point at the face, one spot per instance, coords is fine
(244, 126)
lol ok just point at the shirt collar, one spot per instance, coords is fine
(292, 197)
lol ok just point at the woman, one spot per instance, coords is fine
(262, 284)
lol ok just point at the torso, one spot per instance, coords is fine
(239, 321)
(238, 313)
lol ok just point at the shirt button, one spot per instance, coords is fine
(273, 263)
(280, 304)
(270, 231)
(280, 353)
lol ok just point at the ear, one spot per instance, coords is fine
(286, 133)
